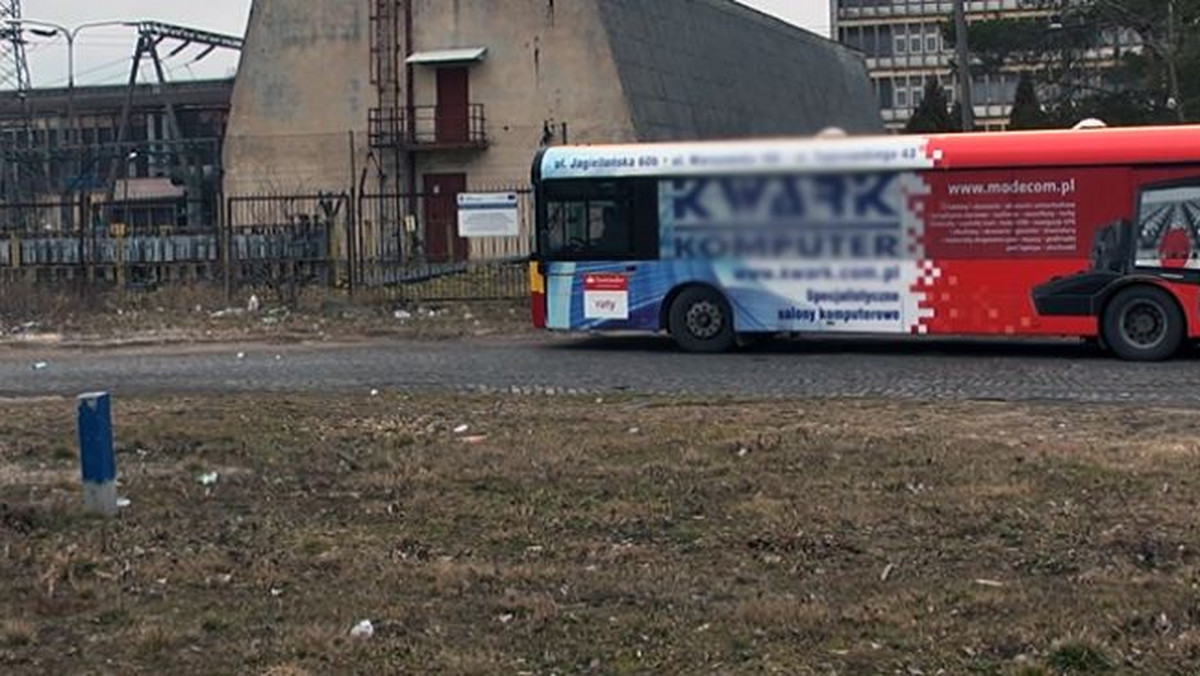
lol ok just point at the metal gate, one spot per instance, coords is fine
(288, 241)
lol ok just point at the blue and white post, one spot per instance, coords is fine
(96, 454)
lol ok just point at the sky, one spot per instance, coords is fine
(103, 54)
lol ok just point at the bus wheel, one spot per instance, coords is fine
(1143, 323)
(1097, 342)
(701, 321)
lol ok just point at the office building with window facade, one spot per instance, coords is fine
(903, 43)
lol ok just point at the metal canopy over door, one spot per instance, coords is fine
(453, 105)
(442, 242)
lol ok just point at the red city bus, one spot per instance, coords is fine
(1092, 233)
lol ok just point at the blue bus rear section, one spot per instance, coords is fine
(566, 297)
(787, 252)
(774, 298)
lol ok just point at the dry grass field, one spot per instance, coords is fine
(616, 536)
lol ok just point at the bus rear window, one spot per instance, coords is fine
(596, 227)
(611, 220)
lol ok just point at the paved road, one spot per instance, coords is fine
(853, 367)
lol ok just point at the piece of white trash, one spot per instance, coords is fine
(363, 629)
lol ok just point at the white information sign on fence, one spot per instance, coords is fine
(488, 215)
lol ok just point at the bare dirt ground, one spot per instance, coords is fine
(29, 317)
(626, 535)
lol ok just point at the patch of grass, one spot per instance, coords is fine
(287, 670)
(17, 633)
(213, 623)
(1079, 658)
(153, 640)
(112, 617)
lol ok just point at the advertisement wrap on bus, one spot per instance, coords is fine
(1090, 233)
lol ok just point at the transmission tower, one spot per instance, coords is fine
(14, 68)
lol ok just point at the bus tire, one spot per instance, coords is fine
(1097, 342)
(701, 320)
(1143, 323)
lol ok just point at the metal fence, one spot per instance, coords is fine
(68, 241)
(407, 246)
(285, 242)
(400, 246)
(448, 280)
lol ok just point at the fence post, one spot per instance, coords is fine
(352, 218)
(96, 456)
(85, 211)
(226, 243)
(351, 242)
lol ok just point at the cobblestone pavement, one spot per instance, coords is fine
(533, 365)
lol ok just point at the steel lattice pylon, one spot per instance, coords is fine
(14, 69)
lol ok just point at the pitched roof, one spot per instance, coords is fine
(705, 69)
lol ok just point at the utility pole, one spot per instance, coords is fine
(963, 56)
(71, 135)
(14, 69)
(47, 29)
(14, 76)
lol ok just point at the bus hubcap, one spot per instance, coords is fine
(1144, 324)
(704, 320)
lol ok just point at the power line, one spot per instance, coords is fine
(95, 69)
(108, 65)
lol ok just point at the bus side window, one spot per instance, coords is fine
(1168, 229)
(643, 220)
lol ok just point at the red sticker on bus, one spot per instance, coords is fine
(605, 282)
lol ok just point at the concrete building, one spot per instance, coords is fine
(420, 100)
(903, 45)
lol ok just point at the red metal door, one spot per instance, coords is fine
(453, 105)
(442, 242)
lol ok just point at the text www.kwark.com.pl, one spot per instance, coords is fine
(878, 273)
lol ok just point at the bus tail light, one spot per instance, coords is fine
(537, 289)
